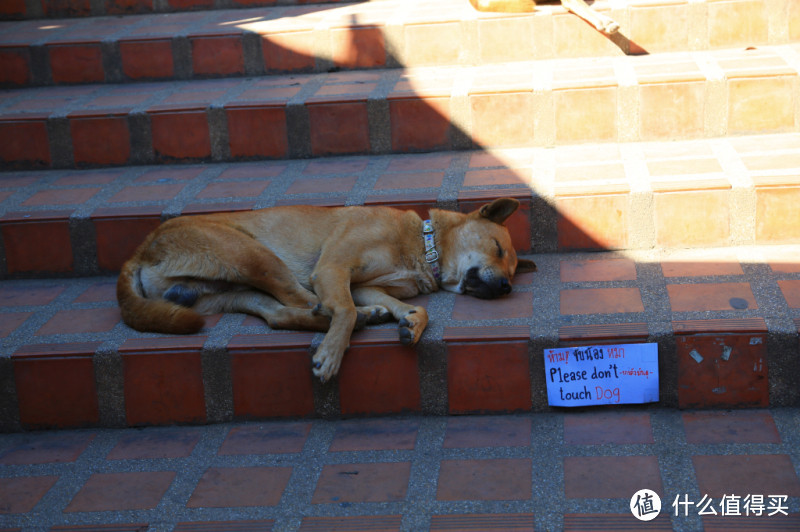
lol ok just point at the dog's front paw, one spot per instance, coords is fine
(412, 326)
(325, 364)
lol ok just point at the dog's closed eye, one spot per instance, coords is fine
(500, 251)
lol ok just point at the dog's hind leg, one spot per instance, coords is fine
(229, 254)
(263, 306)
(413, 319)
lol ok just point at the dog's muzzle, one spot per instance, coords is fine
(474, 285)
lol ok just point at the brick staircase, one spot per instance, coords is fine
(658, 171)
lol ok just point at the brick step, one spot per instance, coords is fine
(37, 9)
(67, 360)
(698, 193)
(541, 103)
(385, 34)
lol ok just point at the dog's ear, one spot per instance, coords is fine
(499, 210)
(525, 266)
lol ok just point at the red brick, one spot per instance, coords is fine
(217, 55)
(271, 380)
(153, 445)
(506, 522)
(15, 66)
(76, 63)
(257, 131)
(226, 487)
(608, 428)
(163, 380)
(100, 140)
(119, 236)
(418, 124)
(56, 385)
(322, 185)
(147, 59)
(610, 477)
(711, 296)
(339, 128)
(487, 431)
(593, 222)
(54, 197)
(76, 321)
(514, 305)
(375, 435)
(379, 378)
(180, 135)
(12, 320)
(273, 438)
(15, 296)
(488, 377)
(24, 142)
(287, 52)
(121, 491)
(484, 480)
(41, 245)
(66, 8)
(358, 47)
(180, 5)
(13, 8)
(707, 380)
(123, 7)
(53, 447)
(738, 426)
(601, 301)
(614, 522)
(766, 474)
(377, 523)
(355, 483)
(21, 494)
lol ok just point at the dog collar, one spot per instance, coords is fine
(431, 255)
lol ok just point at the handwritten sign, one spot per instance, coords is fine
(602, 374)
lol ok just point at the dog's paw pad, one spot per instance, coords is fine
(361, 320)
(403, 323)
(406, 336)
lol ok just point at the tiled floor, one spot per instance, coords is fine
(558, 471)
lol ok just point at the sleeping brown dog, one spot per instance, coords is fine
(316, 268)
(579, 7)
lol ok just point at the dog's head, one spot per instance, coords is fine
(478, 257)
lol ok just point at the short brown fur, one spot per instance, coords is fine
(314, 268)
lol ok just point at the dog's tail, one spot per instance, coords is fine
(152, 315)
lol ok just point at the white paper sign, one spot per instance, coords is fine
(602, 374)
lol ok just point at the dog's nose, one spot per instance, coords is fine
(505, 286)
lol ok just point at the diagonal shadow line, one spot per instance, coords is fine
(549, 227)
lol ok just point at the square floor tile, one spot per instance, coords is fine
(767, 474)
(483, 522)
(489, 431)
(326, 185)
(14, 296)
(610, 477)
(275, 438)
(737, 426)
(614, 522)
(76, 321)
(121, 491)
(224, 487)
(375, 435)
(376, 523)
(20, 494)
(515, 305)
(711, 296)
(601, 301)
(380, 482)
(154, 443)
(791, 292)
(582, 271)
(599, 428)
(485, 480)
(47, 448)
